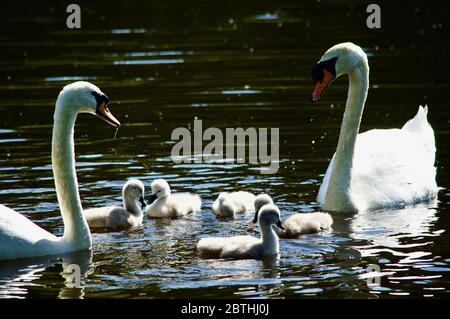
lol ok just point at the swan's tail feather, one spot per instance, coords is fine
(419, 122)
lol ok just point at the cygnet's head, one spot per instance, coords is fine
(339, 59)
(133, 191)
(222, 197)
(85, 97)
(227, 208)
(160, 189)
(261, 200)
(269, 215)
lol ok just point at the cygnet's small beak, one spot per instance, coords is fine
(255, 219)
(280, 225)
(152, 198)
(143, 204)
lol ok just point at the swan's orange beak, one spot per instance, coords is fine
(322, 86)
(104, 113)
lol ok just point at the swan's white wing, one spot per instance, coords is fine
(19, 236)
(392, 168)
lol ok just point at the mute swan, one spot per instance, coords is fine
(378, 168)
(229, 204)
(296, 224)
(114, 217)
(246, 247)
(19, 236)
(164, 204)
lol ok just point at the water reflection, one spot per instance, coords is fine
(395, 229)
(402, 241)
(25, 278)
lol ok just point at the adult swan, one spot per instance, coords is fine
(19, 236)
(378, 168)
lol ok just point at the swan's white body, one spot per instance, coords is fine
(168, 205)
(229, 204)
(19, 236)
(382, 167)
(246, 247)
(117, 217)
(297, 224)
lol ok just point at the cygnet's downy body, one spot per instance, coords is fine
(117, 217)
(297, 224)
(246, 247)
(227, 205)
(164, 204)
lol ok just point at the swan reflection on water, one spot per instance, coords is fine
(388, 230)
(400, 240)
(20, 278)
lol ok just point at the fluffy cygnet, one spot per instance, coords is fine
(116, 217)
(297, 224)
(163, 203)
(229, 204)
(246, 247)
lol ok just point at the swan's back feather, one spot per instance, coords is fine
(418, 123)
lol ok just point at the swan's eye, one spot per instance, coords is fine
(100, 98)
(317, 73)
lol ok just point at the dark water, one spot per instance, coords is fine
(237, 63)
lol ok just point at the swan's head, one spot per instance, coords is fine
(85, 97)
(339, 59)
(160, 189)
(260, 201)
(269, 215)
(133, 190)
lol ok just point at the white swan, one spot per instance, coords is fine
(229, 204)
(19, 236)
(296, 224)
(164, 204)
(117, 217)
(246, 247)
(378, 168)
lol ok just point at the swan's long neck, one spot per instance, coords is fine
(269, 238)
(132, 205)
(338, 196)
(76, 229)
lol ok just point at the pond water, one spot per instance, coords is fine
(231, 64)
